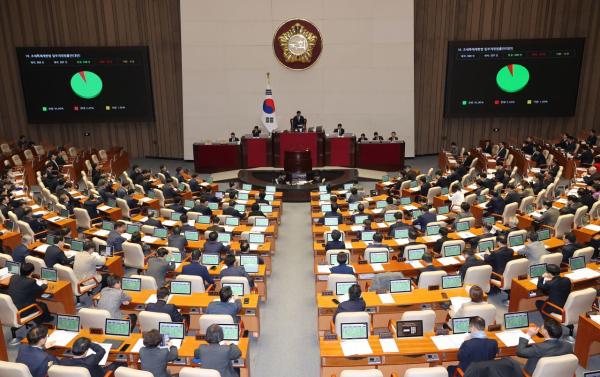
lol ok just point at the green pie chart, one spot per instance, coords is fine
(86, 84)
(512, 78)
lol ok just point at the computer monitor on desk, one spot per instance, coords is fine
(67, 322)
(516, 320)
(409, 329)
(352, 331)
(400, 286)
(460, 325)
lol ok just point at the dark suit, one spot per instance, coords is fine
(512, 197)
(339, 131)
(215, 247)
(496, 205)
(202, 209)
(550, 217)
(334, 214)
(231, 308)
(23, 291)
(298, 122)
(234, 212)
(196, 269)
(37, 360)
(350, 306)
(177, 240)
(219, 357)
(19, 253)
(470, 262)
(424, 219)
(54, 255)
(334, 245)
(237, 271)
(162, 307)
(502, 153)
(115, 240)
(476, 349)
(90, 206)
(499, 259)
(557, 289)
(397, 225)
(90, 362)
(342, 269)
(568, 251)
(533, 352)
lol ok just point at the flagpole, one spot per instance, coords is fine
(269, 85)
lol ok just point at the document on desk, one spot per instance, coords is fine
(534, 281)
(458, 302)
(149, 239)
(228, 228)
(348, 244)
(409, 207)
(258, 229)
(356, 347)
(386, 298)
(169, 222)
(377, 267)
(388, 345)
(448, 342)
(441, 218)
(56, 219)
(127, 236)
(510, 338)
(377, 210)
(595, 318)
(356, 228)
(402, 241)
(415, 263)
(518, 248)
(593, 227)
(102, 233)
(106, 347)
(465, 234)
(254, 246)
(142, 219)
(70, 253)
(138, 346)
(323, 269)
(61, 338)
(104, 207)
(151, 299)
(429, 239)
(448, 261)
(42, 248)
(380, 225)
(583, 274)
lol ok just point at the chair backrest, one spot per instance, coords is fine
(485, 311)
(510, 213)
(460, 243)
(539, 199)
(38, 263)
(586, 252)
(148, 282)
(427, 316)
(339, 278)
(564, 224)
(252, 219)
(198, 372)
(166, 212)
(595, 211)
(513, 269)
(578, 215)
(17, 160)
(148, 229)
(237, 280)
(4, 258)
(161, 198)
(578, 302)
(98, 242)
(471, 221)
(5, 148)
(197, 282)
(82, 218)
(8, 311)
(15, 220)
(471, 197)
(351, 317)
(432, 193)
(520, 232)
(552, 258)
(556, 366)
(425, 372)
(25, 228)
(361, 373)
(65, 371)
(91, 318)
(130, 372)
(133, 255)
(28, 154)
(14, 369)
(479, 275)
(528, 200)
(122, 204)
(66, 273)
(150, 320)
(139, 189)
(370, 250)
(429, 278)
(331, 252)
(210, 319)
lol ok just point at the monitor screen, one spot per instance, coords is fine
(231, 332)
(389, 217)
(210, 259)
(401, 233)
(367, 235)
(49, 274)
(326, 208)
(108, 225)
(515, 240)
(543, 234)
(516, 320)
(224, 237)
(443, 210)
(50, 239)
(86, 84)
(181, 287)
(537, 270)
(331, 221)
(452, 250)
(188, 203)
(416, 254)
(243, 196)
(13, 267)
(354, 331)
(269, 197)
(176, 216)
(132, 228)
(378, 257)
(409, 329)
(174, 330)
(160, 232)
(497, 78)
(595, 373)
(248, 259)
(256, 238)
(451, 281)
(488, 220)
(131, 284)
(481, 199)
(118, 327)
(485, 245)
(175, 257)
(213, 206)
(203, 219)
(359, 219)
(324, 197)
(353, 206)
(111, 202)
(341, 288)
(416, 213)
(400, 286)
(433, 230)
(191, 235)
(261, 221)
(460, 325)
(266, 208)
(270, 189)
(405, 200)
(77, 245)
(67, 322)
(232, 221)
(236, 288)
(323, 188)
(576, 263)
(462, 226)
(380, 204)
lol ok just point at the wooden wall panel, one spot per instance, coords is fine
(438, 21)
(155, 23)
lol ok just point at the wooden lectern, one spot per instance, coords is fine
(297, 161)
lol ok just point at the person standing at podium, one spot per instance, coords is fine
(233, 138)
(339, 131)
(298, 122)
(256, 131)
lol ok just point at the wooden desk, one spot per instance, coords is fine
(62, 300)
(67, 223)
(10, 239)
(588, 340)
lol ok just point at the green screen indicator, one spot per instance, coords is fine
(512, 78)
(86, 84)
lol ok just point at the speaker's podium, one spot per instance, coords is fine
(298, 142)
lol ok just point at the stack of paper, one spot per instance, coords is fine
(534, 281)
(169, 222)
(441, 218)
(457, 302)
(323, 269)
(258, 229)
(593, 227)
(465, 234)
(149, 239)
(388, 345)
(595, 318)
(348, 244)
(61, 338)
(143, 219)
(510, 338)
(448, 261)
(70, 253)
(401, 241)
(228, 228)
(127, 236)
(106, 347)
(430, 239)
(356, 228)
(410, 207)
(377, 267)
(101, 233)
(448, 342)
(254, 246)
(381, 225)
(583, 274)
(55, 219)
(42, 248)
(415, 263)
(386, 298)
(104, 207)
(356, 347)
(146, 199)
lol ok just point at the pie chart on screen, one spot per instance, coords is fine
(512, 78)
(86, 84)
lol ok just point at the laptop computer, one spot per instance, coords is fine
(460, 325)
(210, 259)
(485, 245)
(342, 287)
(213, 206)
(270, 189)
(367, 235)
(232, 221)
(401, 234)
(516, 320)
(131, 284)
(160, 232)
(537, 270)
(49, 274)
(433, 230)
(353, 206)
(389, 217)
(67, 322)
(409, 329)
(400, 286)
(77, 245)
(108, 225)
(247, 187)
(331, 221)
(243, 196)
(405, 200)
(576, 263)
(116, 327)
(174, 331)
(203, 219)
(249, 262)
(488, 220)
(180, 287)
(380, 204)
(175, 257)
(262, 221)
(237, 289)
(187, 204)
(224, 237)
(543, 234)
(132, 228)
(325, 207)
(451, 250)
(353, 331)
(379, 257)
(13, 267)
(231, 332)
(176, 216)
(416, 254)
(462, 226)
(516, 241)
(258, 238)
(443, 210)
(360, 219)
(451, 281)
(240, 208)
(191, 235)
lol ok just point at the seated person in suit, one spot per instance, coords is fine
(572, 205)
(465, 211)
(197, 269)
(115, 238)
(24, 290)
(556, 287)
(36, 224)
(233, 138)
(377, 242)
(437, 246)
(255, 211)
(377, 137)
(496, 204)
(391, 205)
(154, 359)
(427, 217)
(245, 249)
(54, 253)
(261, 198)
(423, 187)
(176, 239)
(169, 190)
(298, 122)
(427, 261)
(570, 247)
(354, 304)
(213, 246)
(215, 227)
(456, 198)
(33, 353)
(86, 263)
(201, 206)
(362, 138)
(234, 270)
(399, 224)
(158, 267)
(161, 306)
(476, 347)
(393, 136)
(534, 250)
(339, 131)
(21, 250)
(185, 225)
(355, 195)
(470, 260)
(177, 205)
(500, 257)
(334, 213)
(256, 131)
(91, 361)
(476, 295)
(551, 346)
(112, 297)
(225, 305)
(361, 212)
(231, 211)
(216, 355)
(342, 267)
